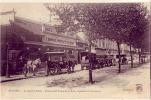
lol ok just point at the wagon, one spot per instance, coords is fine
(106, 60)
(59, 61)
(88, 58)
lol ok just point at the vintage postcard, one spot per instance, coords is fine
(75, 50)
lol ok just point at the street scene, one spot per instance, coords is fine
(97, 50)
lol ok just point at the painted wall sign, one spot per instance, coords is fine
(59, 40)
(48, 29)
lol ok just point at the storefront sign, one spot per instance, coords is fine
(59, 40)
(48, 29)
(51, 36)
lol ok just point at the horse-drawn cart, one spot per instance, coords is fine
(59, 61)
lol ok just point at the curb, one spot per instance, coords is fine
(13, 79)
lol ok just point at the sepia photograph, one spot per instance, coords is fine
(75, 50)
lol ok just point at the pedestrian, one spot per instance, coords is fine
(27, 66)
(87, 62)
(124, 60)
(71, 65)
(20, 64)
(48, 65)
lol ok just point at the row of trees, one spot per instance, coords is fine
(123, 23)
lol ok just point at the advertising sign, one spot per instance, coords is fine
(60, 40)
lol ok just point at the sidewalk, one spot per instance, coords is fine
(20, 77)
(12, 78)
(77, 68)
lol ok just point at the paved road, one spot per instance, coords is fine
(132, 82)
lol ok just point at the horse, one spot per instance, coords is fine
(31, 66)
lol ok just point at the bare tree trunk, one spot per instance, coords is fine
(139, 54)
(119, 57)
(90, 74)
(90, 66)
(46, 68)
(131, 55)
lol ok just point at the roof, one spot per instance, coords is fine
(49, 44)
(7, 12)
(28, 20)
(38, 28)
(32, 26)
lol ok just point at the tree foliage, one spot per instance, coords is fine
(111, 20)
(121, 22)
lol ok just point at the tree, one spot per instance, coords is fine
(139, 26)
(88, 17)
(66, 15)
(75, 17)
(114, 21)
(142, 41)
(123, 23)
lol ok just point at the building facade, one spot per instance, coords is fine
(24, 37)
(106, 46)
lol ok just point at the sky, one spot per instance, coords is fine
(34, 11)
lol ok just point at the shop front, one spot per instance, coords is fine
(38, 41)
(40, 37)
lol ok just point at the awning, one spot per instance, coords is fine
(49, 44)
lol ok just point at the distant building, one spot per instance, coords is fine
(106, 46)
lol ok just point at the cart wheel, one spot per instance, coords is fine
(59, 69)
(52, 71)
